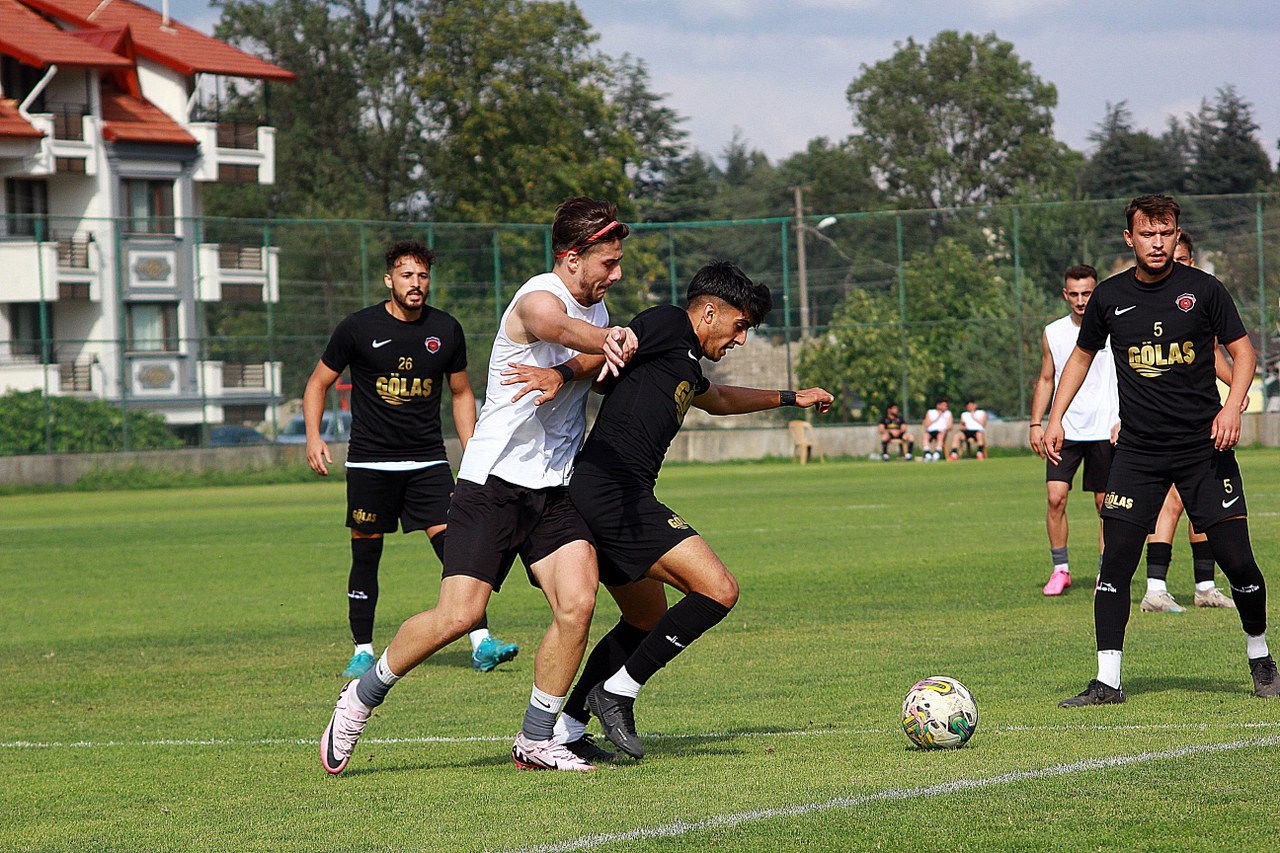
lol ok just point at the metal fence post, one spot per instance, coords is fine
(902, 316)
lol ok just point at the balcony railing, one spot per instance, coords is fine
(75, 376)
(68, 120)
(73, 251)
(236, 134)
(252, 375)
(233, 256)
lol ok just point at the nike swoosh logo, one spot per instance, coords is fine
(377, 344)
(1226, 504)
(1120, 311)
(692, 356)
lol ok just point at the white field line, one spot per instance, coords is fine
(102, 744)
(679, 828)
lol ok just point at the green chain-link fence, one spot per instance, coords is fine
(216, 320)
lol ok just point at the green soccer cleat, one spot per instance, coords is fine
(359, 664)
(492, 652)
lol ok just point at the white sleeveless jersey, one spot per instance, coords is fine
(1096, 406)
(971, 422)
(528, 445)
(937, 421)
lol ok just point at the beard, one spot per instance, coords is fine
(403, 303)
(1156, 272)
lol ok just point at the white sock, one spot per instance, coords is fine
(477, 637)
(1109, 667)
(568, 729)
(1256, 646)
(382, 670)
(1156, 585)
(545, 701)
(1205, 586)
(364, 647)
(1062, 567)
(622, 684)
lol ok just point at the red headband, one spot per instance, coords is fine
(593, 238)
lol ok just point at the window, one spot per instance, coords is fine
(27, 202)
(153, 327)
(24, 320)
(149, 205)
(17, 81)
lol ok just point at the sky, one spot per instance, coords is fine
(776, 71)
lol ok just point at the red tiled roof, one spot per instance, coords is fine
(120, 42)
(12, 124)
(175, 45)
(32, 40)
(129, 119)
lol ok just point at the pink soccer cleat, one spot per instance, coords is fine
(1058, 582)
(545, 755)
(344, 729)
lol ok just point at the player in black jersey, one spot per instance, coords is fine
(1163, 318)
(642, 544)
(400, 353)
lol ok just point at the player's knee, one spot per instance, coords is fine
(723, 589)
(1057, 503)
(575, 608)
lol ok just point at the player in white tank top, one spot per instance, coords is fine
(1091, 418)
(521, 442)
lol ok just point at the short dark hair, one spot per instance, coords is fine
(1155, 207)
(1185, 239)
(582, 222)
(725, 281)
(409, 249)
(1080, 271)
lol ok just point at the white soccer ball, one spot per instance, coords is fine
(939, 713)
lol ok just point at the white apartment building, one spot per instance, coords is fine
(108, 134)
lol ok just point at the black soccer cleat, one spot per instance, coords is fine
(1096, 693)
(1266, 683)
(617, 717)
(586, 749)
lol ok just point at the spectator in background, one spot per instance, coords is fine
(894, 428)
(937, 423)
(973, 431)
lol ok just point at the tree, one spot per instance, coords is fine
(1225, 154)
(960, 338)
(959, 121)
(519, 111)
(1128, 162)
(351, 135)
(660, 141)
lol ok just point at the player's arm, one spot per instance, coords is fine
(1073, 376)
(548, 381)
(464, 406)
(1226, 425)
(322, 379)
(1041, 396)
(733, 400)
(541, 316)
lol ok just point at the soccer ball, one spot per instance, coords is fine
(939, 713)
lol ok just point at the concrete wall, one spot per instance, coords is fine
(691, 445)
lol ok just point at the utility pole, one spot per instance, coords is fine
(802, 273)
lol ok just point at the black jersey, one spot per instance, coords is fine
(645, 406)
(893, 423)
(397, 370)
(1162, 340)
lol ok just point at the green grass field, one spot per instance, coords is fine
(170, 658)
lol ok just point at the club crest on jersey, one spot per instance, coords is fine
(433, 343)
(1186, 301)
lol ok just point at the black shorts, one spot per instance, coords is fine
(417, 499)
(490, 525)
(972, 434)
(1097, 457)
(631, 528)
(1208, 481)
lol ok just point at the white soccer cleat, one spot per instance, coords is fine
(545, 755)
(1160, 602)
(344, 729)
(1213, 598)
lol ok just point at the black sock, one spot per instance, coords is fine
(1122, 549)
(437, 544)
(1231, 549)
(911, 446)
(685, 622)
(608, 656)
(1202, 561)
(884, 447)
(1159, 556)
(362, 588)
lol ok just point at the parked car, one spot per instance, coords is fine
(235, 436)
(331, 430)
